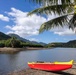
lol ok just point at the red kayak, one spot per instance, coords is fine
(48, 66)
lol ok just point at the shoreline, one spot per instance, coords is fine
(29, 71)
(14, 50)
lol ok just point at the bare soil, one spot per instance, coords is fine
(29, 71)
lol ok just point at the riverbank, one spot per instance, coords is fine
(14, 50)
(28, 71)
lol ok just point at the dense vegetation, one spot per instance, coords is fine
(71, 44)
(14, 43)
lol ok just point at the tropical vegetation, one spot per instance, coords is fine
(71, 44)
(65, 10)
(15, 43)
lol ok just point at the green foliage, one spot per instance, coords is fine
(2, 43)
(30, 45)
(15, 43)
(71, 44)
(7, 43)
(64, 9)
(43, 2)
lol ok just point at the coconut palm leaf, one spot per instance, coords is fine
(60, 7)
(56, 9)
(56, 22)
(72, 22)
(43, 2)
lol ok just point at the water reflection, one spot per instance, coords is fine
(13, 60)
(10, 62)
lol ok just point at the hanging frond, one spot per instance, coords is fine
(43, 2)
(66, 1)
(59, 21)
(56, 9)
(60, 7)
(72, 22)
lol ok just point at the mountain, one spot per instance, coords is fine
(25, 40)
(71, 43)
(4, 36)
(18, 37)
(41, 43)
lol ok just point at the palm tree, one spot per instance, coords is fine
(65, 9)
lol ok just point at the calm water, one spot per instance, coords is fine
(11, 62)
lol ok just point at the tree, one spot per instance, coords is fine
(7, 43)
(2, 44)
(65, 9)
(13, 42)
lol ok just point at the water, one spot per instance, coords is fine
(18, 61)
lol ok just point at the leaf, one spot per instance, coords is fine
(56, 9)
(72, 22)
(43, 2)
(59, 21)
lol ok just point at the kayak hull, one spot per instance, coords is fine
(56, 66)
(50, 67)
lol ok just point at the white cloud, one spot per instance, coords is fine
(67, 32)
(25, 25)
(63, 31)
(29, 25)
(4, 18)
(8, 27)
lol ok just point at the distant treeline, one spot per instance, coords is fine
(71, 44)
(15, 43)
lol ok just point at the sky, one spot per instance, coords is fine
(14, 19)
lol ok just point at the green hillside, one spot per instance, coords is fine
(4, 36)
(71, 44)
(16, 41)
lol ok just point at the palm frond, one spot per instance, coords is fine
(66, 1)
(56, 9)
(59, 21)
(72, 22)
(60, 7)
(52, 1)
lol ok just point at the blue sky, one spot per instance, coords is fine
(14, 19)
